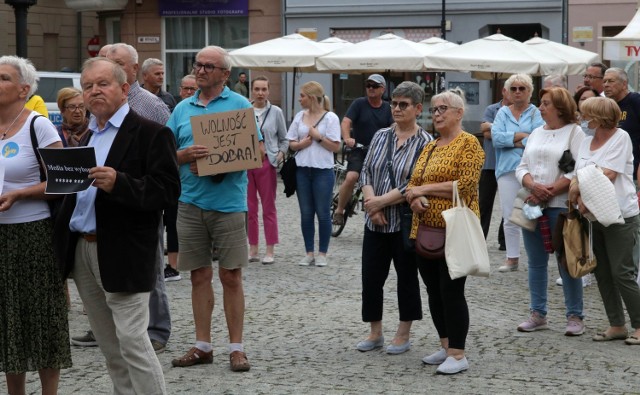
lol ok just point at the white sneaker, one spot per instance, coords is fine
(559, 281)
(436, 358)
(453, 366)
(306, 261)
(321, 260)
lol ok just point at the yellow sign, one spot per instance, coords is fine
(309, 32)
(582, 34)
(232, 140)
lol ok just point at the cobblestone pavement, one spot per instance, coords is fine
(302, 324)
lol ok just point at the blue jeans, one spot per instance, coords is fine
(538, 272)
(314, 188)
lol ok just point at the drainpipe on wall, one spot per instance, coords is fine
(78, 40)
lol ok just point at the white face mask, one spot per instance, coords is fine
(584, 124)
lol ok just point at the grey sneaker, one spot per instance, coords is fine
(535, 322)
(86, 340)
(306, 261)
(575, 326)
(321, 260)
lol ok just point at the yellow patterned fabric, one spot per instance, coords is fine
(460, 160)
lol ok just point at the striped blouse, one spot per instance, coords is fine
(376, 174)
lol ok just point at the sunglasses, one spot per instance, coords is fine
(518, 88)
(373, 86)
(402, 105)
(439, 109)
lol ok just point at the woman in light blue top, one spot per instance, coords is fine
(509, 134)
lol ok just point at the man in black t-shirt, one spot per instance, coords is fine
(365, 116)
(616, 87)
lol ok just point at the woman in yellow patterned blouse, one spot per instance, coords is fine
(455, 155)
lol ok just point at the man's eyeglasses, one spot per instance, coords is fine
(439, 109)
(188, 88)
(208, 67)
(373, 86)
(518, 88)
(591, 77)
(73, 107)
(402, 105)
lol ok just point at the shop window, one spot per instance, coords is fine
(185, 36)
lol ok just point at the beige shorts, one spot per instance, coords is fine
(199, 230)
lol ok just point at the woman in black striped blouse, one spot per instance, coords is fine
(383, 188)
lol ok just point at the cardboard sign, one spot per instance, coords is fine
(232, 140)
(68, 169)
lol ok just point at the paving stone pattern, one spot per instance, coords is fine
(302, 325)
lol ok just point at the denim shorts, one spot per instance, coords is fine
(199, 230)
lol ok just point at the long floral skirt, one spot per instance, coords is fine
(34, 331)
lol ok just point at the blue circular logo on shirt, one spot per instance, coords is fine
(10, 150)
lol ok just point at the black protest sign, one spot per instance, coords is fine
(68, 168)
(232, 140)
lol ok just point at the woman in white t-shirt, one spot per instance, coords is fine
(315, 135)
(548, 184)
(611, 149)
(33, 306)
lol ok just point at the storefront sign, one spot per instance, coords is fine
(203, 7)
(582, 34)
(232, 140)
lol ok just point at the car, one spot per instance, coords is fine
(48, 86)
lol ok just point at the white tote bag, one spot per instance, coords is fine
(465, 249)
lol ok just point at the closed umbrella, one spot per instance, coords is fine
(497, 53)
(577, 59)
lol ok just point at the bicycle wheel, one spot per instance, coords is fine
(337, 229)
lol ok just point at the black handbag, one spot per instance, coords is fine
(288, 174)
(566, 163)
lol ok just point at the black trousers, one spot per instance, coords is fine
(378, 250)
(487, 196)
(447, 302)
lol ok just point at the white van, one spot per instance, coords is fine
(48, 86)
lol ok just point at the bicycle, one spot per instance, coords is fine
(356, 197)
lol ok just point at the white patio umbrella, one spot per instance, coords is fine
(380, 54)
(435, 44)
(487, 56)
(577, 59)
(289, 53)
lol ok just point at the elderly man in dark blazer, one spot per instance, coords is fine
(107, 235)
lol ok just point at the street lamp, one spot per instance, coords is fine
(20, 10)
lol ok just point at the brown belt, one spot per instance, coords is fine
(90, 237)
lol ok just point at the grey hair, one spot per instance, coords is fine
(132, 51)
(26, 71)
(524, 79)
(452, 98)
(226, 59)
(118, 73)
(150, 62)
(555, 80)
(188, 77)
(622, 75)
(410, 90)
